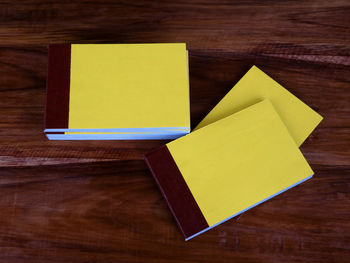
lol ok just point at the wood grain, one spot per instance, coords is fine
(97, 202)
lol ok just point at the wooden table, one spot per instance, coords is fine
(92, 201)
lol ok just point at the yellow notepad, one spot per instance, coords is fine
(255, 86)
(121, 89)
(227, 167)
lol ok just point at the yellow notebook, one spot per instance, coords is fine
(255, 86)
(118, 88)
(227, 167)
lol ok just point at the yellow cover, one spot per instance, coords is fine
(239, 162)
(129, 86)
(255, 86)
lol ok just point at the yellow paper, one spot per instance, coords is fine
(129, 86)
(239, 161)
(255, 86)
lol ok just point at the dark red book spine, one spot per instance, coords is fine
(176, 192)
(57, 86)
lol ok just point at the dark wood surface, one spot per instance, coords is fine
(97, 202)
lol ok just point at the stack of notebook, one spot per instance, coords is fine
(244, 152)
(117, 91)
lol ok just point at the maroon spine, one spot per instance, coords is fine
(176, 192)
(57, 87)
